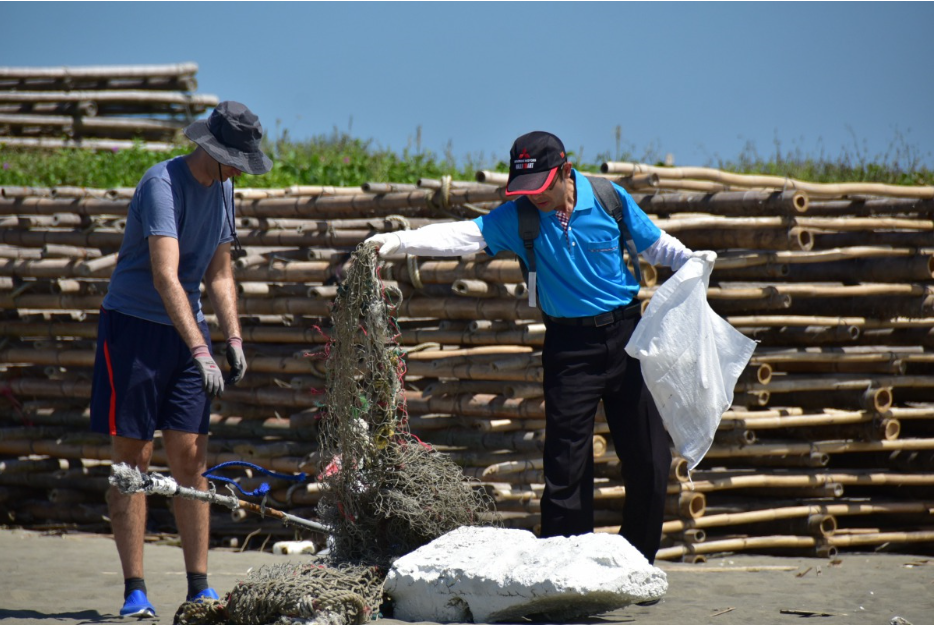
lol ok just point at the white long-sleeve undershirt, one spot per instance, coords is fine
(459, 238)
(667, 251)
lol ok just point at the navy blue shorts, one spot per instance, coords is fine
(145, 379)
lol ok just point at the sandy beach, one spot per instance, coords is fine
(76, 579)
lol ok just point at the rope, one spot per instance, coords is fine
(415, 277)
(446, 191)
(262, 489)
(399, 219)
(341, 594)
(411, 260)
(477, 209)
(440, 200)
(205, 612)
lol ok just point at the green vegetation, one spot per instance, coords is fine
(900, 164)
(342, 160)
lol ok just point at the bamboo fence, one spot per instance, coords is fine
(98, 107)
(829, 444)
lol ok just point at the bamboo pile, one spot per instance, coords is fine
(98, 107)
(829, 444)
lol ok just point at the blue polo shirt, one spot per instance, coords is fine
(169, 201)
(581, 272)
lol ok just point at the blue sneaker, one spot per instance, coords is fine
(137, 604)
(207, 593)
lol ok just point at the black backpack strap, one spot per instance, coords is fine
(529, 226)
(610, 201)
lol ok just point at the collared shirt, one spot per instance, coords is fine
(564, 217)
(580, 268)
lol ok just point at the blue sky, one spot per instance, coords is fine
(697, 80)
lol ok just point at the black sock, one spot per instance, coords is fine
(196, 583)
(133, 583)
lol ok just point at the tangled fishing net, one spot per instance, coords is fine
(384, 492)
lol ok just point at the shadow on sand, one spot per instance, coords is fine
(85, 616)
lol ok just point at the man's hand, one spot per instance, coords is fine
(235, 359)
(708, 256)
(386, 243)
(210, 373)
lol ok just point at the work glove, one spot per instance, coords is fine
(386, 243)
(210, 373)
(708, 256)
(235, 359)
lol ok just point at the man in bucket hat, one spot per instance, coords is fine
(588, 301)
(154, 368)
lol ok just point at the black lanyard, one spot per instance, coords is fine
(237, 251)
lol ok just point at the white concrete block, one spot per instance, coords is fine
(486, 574)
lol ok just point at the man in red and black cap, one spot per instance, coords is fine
(154, 368)
(588, 300)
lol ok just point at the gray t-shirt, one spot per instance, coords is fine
(169, 201)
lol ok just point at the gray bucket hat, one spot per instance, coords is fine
(231, 135)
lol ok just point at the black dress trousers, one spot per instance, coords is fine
(583, 365)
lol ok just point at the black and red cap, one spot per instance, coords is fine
(533, 163)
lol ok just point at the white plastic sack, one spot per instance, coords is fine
(691, 358)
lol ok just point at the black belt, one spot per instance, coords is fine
(597, 321)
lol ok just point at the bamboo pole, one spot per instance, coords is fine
(864, 207)
(455, 387)
(490, 406)
(829, 447)
(880, 538)
(687, 505)
(775, 238)
(864, 224)
(774, 514)
(812, 546)
(813, 460)
(874, 400)
(479, 288)
(895, 239)
(314, 190)
(817, 525)
(754, 421)
(61, 122)
(94, 239)
(522, 442)
(447, 271)
(197, 102)
(741, 260)
(88, 144)
(872, 430)
(17, 204)
(842, 382)
(733, 480)
(161, 83)
(828, 320)
(726, 203)
(812, 189)
(100, 71)
(915, 268)
(359, 202)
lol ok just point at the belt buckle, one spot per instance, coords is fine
(603, 320)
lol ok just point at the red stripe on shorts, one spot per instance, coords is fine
(112, 413)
